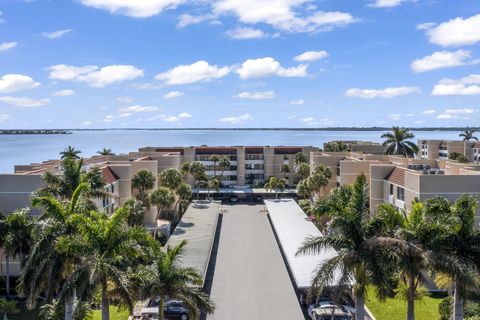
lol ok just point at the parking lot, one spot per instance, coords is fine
(250, 278)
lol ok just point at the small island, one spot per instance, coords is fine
(34, 131)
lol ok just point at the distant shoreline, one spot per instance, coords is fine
(70, 131)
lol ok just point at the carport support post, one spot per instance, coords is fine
(359, 307)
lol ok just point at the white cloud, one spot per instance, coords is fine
(195, 72)
(16, 82)
(425, 25)
(7, 46)
(94, 76)
(24, 102)
(469, 85)
(56, 34)
(125, 99)
(395, 116)
(87, 123)
(136, 109)
(456, 32)
(238, 119)
(181, 116)
(64, 93)
(443, 59)
(382, 93)
(4, 117)
(133, 8)
(430, 111)
(386, 3)
(455, 113)
(311, 121)
(263, 67)
(297, 102)
(112, 117)
(172, 95)
(286, 15)
(311, 56)
(187, 19)
(256, 95)
(245, 33)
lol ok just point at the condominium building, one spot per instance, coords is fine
(398, 180)
(248, 166)
(442, 149)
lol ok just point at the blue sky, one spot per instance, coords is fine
(232, 63)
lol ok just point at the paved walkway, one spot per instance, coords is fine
(251, 280)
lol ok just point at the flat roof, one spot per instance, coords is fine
(197, 226)
(245, 191)
(292, 226)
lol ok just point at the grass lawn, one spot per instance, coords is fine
(396, 309)
(115, 314)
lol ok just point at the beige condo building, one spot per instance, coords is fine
(442, 149)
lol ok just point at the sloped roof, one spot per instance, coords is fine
(396, 176)
(108, 175)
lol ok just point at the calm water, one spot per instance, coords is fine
(24, 149)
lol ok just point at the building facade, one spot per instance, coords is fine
(443, 149)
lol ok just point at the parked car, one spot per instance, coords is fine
(327, 310)
(173, 310)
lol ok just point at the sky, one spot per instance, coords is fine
(239, 63)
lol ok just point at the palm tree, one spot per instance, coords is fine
(302, 171)
(16, 238)
(467, 135)
(163, 198)
(170, 178)
(396, 142)
(224, 164)
(184, 192)
(107, 248)
(358, 255)
(197, 170)
(319, 179)
(46, 268)
(143, 181)
(300, 157)
(6, 307)
(275, 184)
(285, 169)
(166, 278)
(214, 158)
(212, 184)
(185, 169)
(70, 152)
(106, 152)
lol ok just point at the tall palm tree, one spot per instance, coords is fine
(397, 142)
(197, 170)
(107, 248)
(170, 178)
(184, 192)
(224, 164)
(106, 152)
(275, 184)
(302, 171)
(285, 169)
(163, 198)
(46, 268)
(70, 152)
(166, 278)
(212, 184)
(143, 181)
(358, 258)
(467, 135)
(16, 239)
(300, 157)
(215, 158)
(319, 178)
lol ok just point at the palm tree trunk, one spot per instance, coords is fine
(7, 271)
(359, 308)
(69, 305)
(457, 303)
(105, 301)
(155, 224)
(411, 299)
(161, 308)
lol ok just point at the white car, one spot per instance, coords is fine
(327, 310)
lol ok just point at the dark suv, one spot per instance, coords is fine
(173, 310)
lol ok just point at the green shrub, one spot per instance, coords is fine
(445, 308)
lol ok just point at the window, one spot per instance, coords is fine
(400, 194)
(391, 189)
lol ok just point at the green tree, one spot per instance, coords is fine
(70, 153)
(357, 245)
(184, 193)
(106, 152)
(212, 184)
(467, 135)
(170, 178)
(163, 198)
(143, 181)
(107, 249)
(215, 158)
(197, 170)
(302, 171)
(166, 278)
(46, 269)
(300, 157)
(6, 307)
(16, 239)
(224, 164)
(336, 146)
(397, 142)
(285, 169)
(275, 184)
